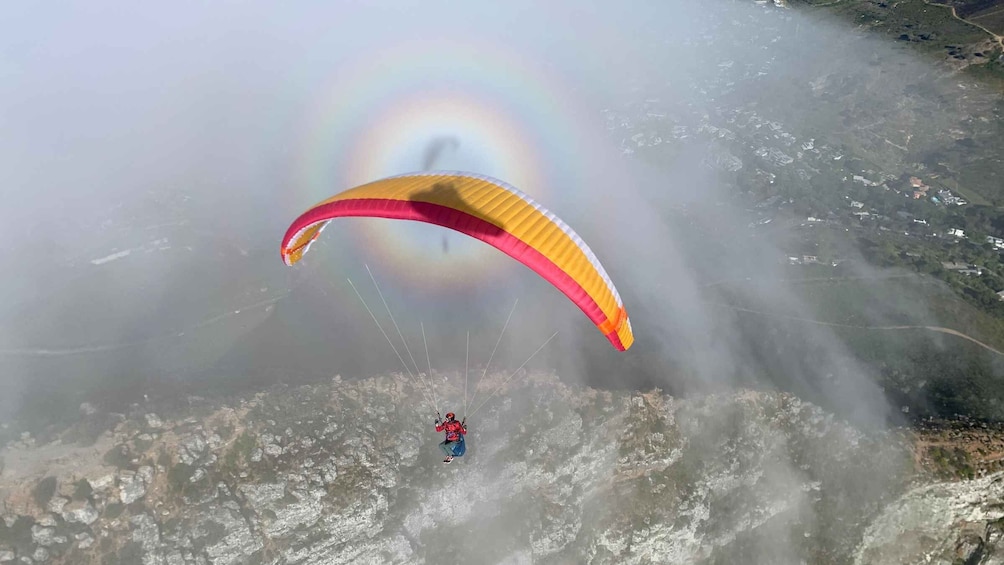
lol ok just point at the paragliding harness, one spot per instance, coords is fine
(459, 447)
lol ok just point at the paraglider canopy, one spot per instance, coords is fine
(492, 211)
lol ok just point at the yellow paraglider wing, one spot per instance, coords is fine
(489, 210)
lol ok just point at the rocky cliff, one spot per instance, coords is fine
(349, 472)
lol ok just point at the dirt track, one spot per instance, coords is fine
(998, 38)
(938, 329)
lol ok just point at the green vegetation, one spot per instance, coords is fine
(118, 456)
(979, 290)
(968, 163)
(928, 250)
(239, 454)
(225, 432)
(82, 490)
(929, 26)
(43, 491)
(132, 552)
(178, 477)
(951, 463)
(17, 536)
(113, 510)
(141, 445)
(164, 458)
(988, 14)
(931, 374)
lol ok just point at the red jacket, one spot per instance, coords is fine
(453, 430)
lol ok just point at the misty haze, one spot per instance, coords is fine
(703, 282)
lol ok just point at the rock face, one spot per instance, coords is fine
(350, 473)
(942, 523)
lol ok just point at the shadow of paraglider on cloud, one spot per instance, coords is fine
(452, 211)
(435, 148)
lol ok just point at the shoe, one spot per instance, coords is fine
(448, 459)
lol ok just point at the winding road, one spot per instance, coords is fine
(998, 38)
(939, 329)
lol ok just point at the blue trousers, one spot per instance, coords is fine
(447, 447)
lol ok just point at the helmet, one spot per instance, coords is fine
(451, 415)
